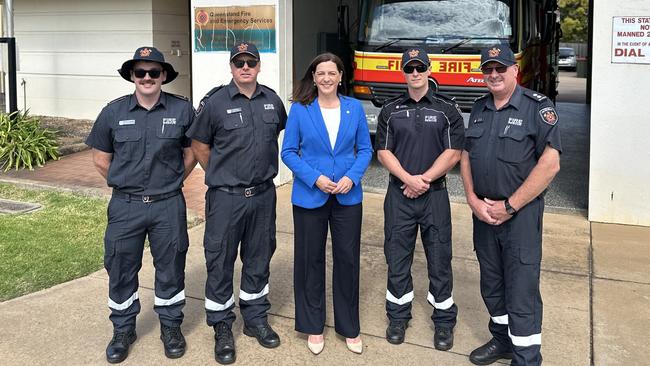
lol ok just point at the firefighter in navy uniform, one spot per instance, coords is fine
(234, 138)
(512, 153)
(139, 146)
(420, 136)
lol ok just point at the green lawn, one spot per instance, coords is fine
(61, 242)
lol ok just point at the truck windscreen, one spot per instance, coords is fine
(474, 22)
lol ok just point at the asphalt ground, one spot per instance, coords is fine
(570, 189)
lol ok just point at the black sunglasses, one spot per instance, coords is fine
(499, 69)
(408, 69)
(240, 63)
(153, 73)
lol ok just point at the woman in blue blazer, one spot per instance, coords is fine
(327, 146)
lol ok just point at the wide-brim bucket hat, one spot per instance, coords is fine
(150, 54)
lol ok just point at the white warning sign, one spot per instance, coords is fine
(631, 40)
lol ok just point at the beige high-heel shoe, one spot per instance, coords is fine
(354, 344)
(317, 344)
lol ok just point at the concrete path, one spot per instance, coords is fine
(595, 286)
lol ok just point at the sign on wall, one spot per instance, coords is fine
(217, 29)
(631, 40)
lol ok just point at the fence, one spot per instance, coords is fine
(580, 48)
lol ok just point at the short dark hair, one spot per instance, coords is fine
(304, 92)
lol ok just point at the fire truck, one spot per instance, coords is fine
(453, 32)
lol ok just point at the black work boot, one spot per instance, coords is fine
(443, 338)
(224, 346)
(490, 352)
(173, 341)
(396, 331)
(118, 348)
(265, 335)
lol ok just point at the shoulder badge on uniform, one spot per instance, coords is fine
(445, 97)
(199, 109)
(448, 99)
(481, 97)
(548, 115)
(267, 88)
(179, 96)
(118, 99)
(534, 95)
(392, 100)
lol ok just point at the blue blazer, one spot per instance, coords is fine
(307, 151)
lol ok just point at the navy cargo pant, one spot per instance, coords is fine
(164, 223)
(230, 219)
(509, 256)
(402, 217)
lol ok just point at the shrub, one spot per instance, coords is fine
(24, 143)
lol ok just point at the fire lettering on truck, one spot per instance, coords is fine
(455, 66)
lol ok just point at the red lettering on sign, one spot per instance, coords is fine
(625, 52)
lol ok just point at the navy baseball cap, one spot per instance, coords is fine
(500, 53)
(149, 54)
(244, 47)
(415, 54)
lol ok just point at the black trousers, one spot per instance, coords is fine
(509, 256)
(309, 266)
(165, 224)
(402, 217)
(232, 219)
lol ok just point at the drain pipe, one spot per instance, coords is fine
(10, 40)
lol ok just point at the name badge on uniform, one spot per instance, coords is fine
(268, 106)
(233, 110)
(126, 122)
(478, 120)
(169, 121)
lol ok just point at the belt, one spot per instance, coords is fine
(146, 199)
(492, 199)
(247, 191)
(436, 185)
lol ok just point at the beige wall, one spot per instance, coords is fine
(620, 125)
(171, 27)
(69, 50)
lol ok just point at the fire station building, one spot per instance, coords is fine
(68, 52)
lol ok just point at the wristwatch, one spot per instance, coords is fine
(509, 209)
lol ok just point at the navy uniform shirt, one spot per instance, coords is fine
(418, 132)
(147, 145)
(242, 134)
(504, 145)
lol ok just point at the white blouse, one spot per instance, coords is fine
(332, 118)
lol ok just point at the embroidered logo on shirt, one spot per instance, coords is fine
(430, 118)
(126, 122)
(268, 107)
(548, 115)
(515, 121)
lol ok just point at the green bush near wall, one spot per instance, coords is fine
(24, 143)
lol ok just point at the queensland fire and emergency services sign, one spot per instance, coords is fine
(631, 40)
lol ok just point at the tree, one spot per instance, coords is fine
(574, 20)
